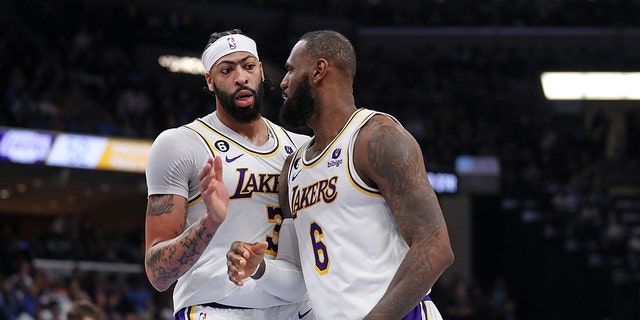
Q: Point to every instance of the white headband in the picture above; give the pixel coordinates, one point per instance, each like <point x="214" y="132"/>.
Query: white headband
<point x="226" y="45"/>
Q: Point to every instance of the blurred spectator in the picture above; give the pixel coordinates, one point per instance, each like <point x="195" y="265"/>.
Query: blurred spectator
<point x="9" y="303"/>
<point x="634" y="249"/>
<point x="464" y="302"/>
<point x="85" y="310"/>
<point x="140" y="296"/>
<point x="501" y="305"/>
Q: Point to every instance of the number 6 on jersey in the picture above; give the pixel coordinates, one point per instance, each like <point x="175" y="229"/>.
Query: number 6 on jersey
<point x="320" y="249"/>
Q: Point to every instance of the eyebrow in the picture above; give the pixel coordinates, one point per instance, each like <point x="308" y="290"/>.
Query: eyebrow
<point x="249" y="56"/>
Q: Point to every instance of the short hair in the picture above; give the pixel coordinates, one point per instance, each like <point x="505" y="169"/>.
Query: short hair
<point x="334" y="47"/>
<point x="217" y="35"/>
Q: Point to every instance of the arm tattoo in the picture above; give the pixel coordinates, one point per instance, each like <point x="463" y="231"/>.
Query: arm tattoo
<point x="159" y="205"/>
<point x="174" y="259"/>
<point x="396" y="160"/>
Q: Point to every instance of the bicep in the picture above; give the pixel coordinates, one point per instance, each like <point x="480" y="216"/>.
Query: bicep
<point x="173" y="163"/>
<point x="393" y="161"/>
<point x="165" y="218"/>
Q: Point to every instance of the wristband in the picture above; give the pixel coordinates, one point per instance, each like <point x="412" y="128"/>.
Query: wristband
<point x="262" y="266"/>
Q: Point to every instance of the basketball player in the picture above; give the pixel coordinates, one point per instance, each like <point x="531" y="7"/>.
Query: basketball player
<point x="192" y="218"/>
<point x="371" y="234"/>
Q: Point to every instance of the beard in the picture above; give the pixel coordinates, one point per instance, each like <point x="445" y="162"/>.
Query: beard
<point x="243" y="115"/>
<point x="297" y="109"/>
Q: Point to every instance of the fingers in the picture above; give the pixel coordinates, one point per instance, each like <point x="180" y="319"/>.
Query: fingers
<point x="238" y="249"/>
<point x="237" y="255"/>
<point x="204" y="172"/>
<point x="213" y="190"/>
<point x="259" y="247"/>
<point x="236" y="262"/>
<point x="217" y="168"/>
<point x="243" y="259"/>
<point x="204" y="175"/>
<point x="235" y="275"/>
<point x="210" y="178"/>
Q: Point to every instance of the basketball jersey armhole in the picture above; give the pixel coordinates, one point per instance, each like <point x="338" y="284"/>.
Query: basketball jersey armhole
<point x="356" y="180"/>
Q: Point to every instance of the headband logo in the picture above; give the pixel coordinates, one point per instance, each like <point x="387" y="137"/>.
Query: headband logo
<point x="225" y="46"/>
<point x="232" y="43"/>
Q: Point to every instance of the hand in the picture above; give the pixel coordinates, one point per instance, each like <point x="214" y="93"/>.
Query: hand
<point x="212" y="189"/>
<point x="243" y="259"/>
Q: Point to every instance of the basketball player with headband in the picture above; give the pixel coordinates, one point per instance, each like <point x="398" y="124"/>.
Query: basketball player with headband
<point x="215" y="180"/>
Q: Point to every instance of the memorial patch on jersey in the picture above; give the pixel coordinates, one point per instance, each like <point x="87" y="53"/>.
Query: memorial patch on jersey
<point x="222" y="145"/>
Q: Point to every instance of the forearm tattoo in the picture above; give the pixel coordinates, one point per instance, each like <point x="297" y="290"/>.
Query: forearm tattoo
<point x="174" y="257"/>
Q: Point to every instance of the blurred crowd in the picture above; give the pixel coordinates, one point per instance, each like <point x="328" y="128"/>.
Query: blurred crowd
<point x="74" y="67"/>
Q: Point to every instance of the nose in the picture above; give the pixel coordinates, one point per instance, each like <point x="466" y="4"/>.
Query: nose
<point x="284" y="84"/>
<point x="242" y="77"/>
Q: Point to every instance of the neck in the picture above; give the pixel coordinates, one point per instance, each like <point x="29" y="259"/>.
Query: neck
<point x="255" y="131"/>
<point x="328" y="124"/>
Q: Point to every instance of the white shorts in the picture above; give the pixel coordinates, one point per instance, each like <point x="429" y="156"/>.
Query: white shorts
<point x="296" y="311"/>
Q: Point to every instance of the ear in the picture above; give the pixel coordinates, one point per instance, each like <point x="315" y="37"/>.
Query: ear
<point x="320" y="69"/>
<point x="207" y="77"/>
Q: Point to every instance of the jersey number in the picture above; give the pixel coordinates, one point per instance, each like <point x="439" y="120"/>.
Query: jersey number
<point x="319" y="249"/>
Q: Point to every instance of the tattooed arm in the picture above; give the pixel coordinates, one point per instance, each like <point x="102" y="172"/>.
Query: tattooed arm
<point x="171" y="249"/>
<point x="388" y="157"/>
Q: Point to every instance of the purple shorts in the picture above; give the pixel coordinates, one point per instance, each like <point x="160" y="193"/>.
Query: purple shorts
<point x="419" y="312"/>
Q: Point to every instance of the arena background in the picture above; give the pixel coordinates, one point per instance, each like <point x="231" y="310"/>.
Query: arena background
<point x="544" y="217"/>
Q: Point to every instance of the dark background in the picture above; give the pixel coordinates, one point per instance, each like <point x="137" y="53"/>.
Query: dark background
<point x="560" y="229"/>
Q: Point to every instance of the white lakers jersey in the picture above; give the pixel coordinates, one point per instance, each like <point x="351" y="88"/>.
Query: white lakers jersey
<point x="350" y="246"/>
<point x="251" y="176"/>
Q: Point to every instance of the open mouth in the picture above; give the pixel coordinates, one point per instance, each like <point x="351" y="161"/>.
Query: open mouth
<point x="244" y="98"/>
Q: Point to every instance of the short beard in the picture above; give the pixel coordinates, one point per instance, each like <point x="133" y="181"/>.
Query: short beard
<point x="242" y="115"/>
<point x="297" y="109"/>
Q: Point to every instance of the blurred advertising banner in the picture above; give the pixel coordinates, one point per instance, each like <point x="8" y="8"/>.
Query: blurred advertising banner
<point x="59" y="149"/>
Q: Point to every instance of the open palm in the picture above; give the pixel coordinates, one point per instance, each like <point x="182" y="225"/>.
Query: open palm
<point x="212" y="189"/>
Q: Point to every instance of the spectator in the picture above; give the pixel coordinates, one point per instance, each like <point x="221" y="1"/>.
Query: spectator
<point x="85" y="310"/>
